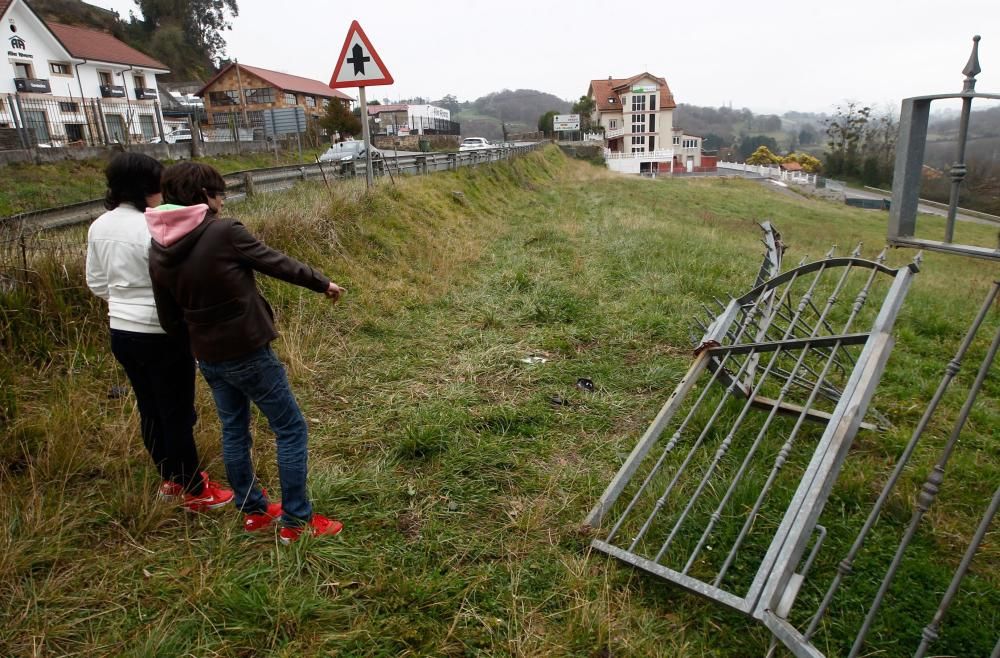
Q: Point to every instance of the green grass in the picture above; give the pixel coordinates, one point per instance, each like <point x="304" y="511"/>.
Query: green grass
<point x="461" y="485"/>
<point x="27" y="187"/>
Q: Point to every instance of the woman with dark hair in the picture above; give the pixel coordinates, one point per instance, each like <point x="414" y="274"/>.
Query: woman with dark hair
<point x="160" y="367"/>
<point x="203" y="272"/>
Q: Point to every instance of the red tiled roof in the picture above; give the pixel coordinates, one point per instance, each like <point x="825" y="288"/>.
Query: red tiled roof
<point x="603" y="90"/>
<point x="791" y="166"/>
<point x="101" y="46"/>
<point x="3" y="6"/>
<point x="283" y="81"/>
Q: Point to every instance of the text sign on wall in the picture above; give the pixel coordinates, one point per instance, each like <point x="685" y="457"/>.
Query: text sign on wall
<point x="643" y="89"/>
<point x="566" y="122"/>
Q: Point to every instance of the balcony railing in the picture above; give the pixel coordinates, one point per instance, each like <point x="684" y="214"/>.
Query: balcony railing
<point x="612" y="133"/>
<point x="661" y="155"/>
<point x="145" y="93"/>
<point x="32" y="85"/>
<point x="112" y="91"/>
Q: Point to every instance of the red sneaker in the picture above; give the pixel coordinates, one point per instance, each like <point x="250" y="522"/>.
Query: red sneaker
<point x="170" y="490"/>
<point x="320" y="526"/>
<point x="212" y="496"/>
<point x="262" y="520"/>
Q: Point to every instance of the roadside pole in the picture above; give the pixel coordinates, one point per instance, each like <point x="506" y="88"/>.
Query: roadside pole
<point x="360" y="66"/>
<point x="366" y="135"/>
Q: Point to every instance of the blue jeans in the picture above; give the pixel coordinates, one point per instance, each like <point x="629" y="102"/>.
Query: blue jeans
<point x="260" y="377"/>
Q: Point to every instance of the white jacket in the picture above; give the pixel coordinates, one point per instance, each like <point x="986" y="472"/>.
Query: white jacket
<point x="118" y="269"/>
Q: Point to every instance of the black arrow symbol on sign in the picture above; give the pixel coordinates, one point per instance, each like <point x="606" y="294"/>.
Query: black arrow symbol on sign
<point x="359" y="59"/>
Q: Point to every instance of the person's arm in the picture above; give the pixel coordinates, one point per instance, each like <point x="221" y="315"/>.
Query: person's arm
<point x="168" y="311"/>
<point x="274" y="263"/>
<point x="97" y="273"/>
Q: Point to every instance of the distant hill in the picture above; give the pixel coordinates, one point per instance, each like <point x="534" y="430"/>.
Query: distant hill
<point x="519" y="109"/>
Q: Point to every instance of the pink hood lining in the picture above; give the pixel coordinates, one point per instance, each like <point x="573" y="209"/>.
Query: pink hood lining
<point x="168" y="224"/>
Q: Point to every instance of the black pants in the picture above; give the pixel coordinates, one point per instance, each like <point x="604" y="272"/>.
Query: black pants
<point x="161" y="370"/>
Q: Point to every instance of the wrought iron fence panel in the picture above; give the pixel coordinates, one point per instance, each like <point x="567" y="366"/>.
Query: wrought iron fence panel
<point x="722" y="493"/>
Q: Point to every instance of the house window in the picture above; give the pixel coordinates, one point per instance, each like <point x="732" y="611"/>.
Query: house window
<point x="147" y="126"/>
<point x="22" y="70"/>
<point x="638" y="140"/>
<point x="612" y="100"/>
<point x="638" y="123"/>
<point x="139" y="80"/>
<point x="638" y="103"/>
<point x="259" y="96"/>
<point x="652" y="143"/>
<point x="104" y="77"/>
<point x="677" y="141"/>
<point x="116" y="127"/>
<point x="652" y="123"/>
<point x="60" y="68"/>
<point x="66" y="106"/>
<point x="613" y="124"/>
<point x="74" y="132"/>
<point x="290" y="99"/>
<point x="230" y="97"/>
<point x="37" y="124"/>
<point x="310" y="101"/>
<point x="652" y="102"/>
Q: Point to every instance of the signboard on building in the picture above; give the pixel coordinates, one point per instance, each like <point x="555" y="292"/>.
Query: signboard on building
<point x="284" y="121"/>
<point x="643" y="89"/>
<point x="566" y="122"/>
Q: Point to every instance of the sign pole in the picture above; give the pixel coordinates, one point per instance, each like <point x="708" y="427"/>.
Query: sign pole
<point x="365" y="135"/>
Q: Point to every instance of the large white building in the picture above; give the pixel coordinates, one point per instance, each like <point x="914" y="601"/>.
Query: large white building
<point x="71" y="85"/>
<point x="637" y="115"/>
<point x="405" y="119"/>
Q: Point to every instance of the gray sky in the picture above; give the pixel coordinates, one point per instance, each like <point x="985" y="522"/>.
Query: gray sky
<point x="768" y="56"/>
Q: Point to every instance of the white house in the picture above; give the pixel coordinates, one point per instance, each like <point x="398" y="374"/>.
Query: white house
<point x="68" y="84"/>
<point x="637" y="115"/>
<point x="404" y="119"/>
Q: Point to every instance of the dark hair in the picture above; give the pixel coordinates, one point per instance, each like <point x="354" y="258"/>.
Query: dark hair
<point x="131" y="178"/>
<point x="188" y="183"/>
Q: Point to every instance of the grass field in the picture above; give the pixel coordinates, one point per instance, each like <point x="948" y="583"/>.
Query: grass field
<point x="461" y="486"/>
<point x="26" y="187"/>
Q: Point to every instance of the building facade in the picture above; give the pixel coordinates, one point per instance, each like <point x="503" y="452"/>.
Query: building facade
<point x="637" y="115"/>
<point x="404" y="119"/>
<point x="62" y="85"/>
<point x="239" y="90"/>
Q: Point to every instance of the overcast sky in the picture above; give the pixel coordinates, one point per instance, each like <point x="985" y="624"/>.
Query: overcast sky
<point x="768" y="56"/>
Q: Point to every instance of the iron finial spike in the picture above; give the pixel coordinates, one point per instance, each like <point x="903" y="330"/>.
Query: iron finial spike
<point x="972" y="68"/>
<point x="919" y="258"/>
<point x="804" y="260"/>
<point x="882" y="255"/>
<point x="857" y="250"/>
<point x="829" y="254"/>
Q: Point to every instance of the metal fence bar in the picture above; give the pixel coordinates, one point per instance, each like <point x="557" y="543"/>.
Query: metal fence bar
<point x="846" y="566"/>
<point x="928" y="494"/>
<point x="930" y="632"/>
<point x="738" y="423"/>
<point x="786" y="448"/>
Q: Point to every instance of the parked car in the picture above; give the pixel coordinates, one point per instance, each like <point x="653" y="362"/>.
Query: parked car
<point x="348" y="151"/>
<point x="474" y="144"/>
<point x="345" y="154"/>
<point x="174" y="136"/>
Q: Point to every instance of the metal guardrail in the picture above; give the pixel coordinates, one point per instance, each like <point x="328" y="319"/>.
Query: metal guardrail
<point x="243" y="184"/>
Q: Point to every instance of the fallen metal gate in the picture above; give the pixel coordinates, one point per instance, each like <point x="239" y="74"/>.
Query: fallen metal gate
<point x="731" y="502"/>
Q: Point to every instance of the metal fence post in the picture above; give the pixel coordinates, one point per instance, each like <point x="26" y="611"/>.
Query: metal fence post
<point x="248" y="185"/>
<point x="26" y="135"/>
<point x="159" y="121"/>
<point x="17" y="122"/>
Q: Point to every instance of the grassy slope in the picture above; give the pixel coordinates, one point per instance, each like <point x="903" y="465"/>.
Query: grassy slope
<point x="25" y="187"/>
<point x="461" y="486"/>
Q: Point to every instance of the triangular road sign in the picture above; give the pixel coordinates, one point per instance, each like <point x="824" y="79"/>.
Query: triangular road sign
<point x="359" y="65"/>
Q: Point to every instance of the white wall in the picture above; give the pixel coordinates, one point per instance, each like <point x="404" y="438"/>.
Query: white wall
<point x="40" y="49"/>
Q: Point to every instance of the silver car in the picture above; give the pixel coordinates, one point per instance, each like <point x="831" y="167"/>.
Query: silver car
<point x="347" y="152"/>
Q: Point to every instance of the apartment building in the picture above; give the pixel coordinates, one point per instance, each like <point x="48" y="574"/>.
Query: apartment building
<point x="67" y="85"/>
<point x="637" y="115"/>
